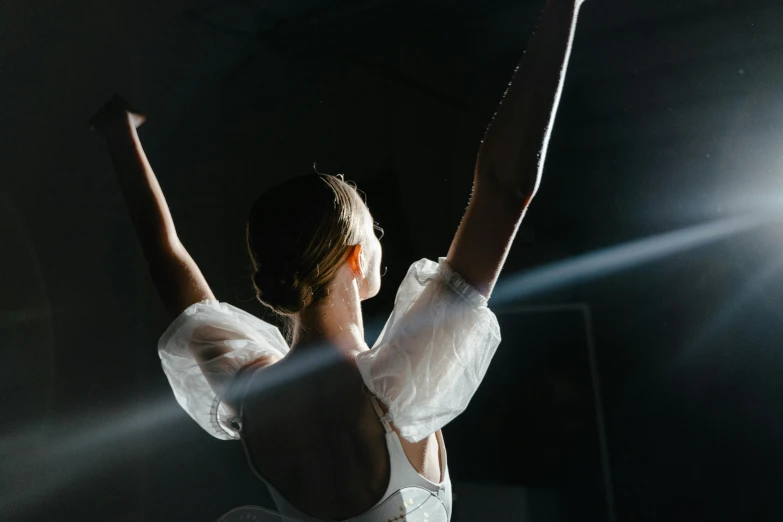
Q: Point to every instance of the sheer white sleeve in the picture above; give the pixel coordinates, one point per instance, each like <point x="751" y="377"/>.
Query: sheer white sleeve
<point x="213" y="327"/>
<point x="433" y="352"/>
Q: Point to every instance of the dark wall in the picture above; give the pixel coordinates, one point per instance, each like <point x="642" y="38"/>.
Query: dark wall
<point x="670" y="118"/>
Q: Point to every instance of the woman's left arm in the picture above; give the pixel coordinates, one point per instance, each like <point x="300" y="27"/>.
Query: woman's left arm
<point x="177" y="277"/>
<point x="512" y="155"/>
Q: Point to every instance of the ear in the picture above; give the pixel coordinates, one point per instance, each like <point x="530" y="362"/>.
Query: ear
<point x="356" y="260"/>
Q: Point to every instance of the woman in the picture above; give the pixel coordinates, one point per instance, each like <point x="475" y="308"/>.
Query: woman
<point x="337" y="430"/>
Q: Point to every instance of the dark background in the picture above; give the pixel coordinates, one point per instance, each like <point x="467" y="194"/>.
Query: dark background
<point x="671" y="117"/>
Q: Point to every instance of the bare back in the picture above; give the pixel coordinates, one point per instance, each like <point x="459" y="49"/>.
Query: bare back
<point x="319" y="442"/>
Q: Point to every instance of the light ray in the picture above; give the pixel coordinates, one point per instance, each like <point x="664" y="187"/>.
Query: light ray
<point x="70" y="452"/>
<point x="720" y="321"/>
<point x="39" y="461"/>
<point x="614" y="259"/>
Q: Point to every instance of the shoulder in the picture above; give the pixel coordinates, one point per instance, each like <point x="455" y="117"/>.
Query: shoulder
<point x="241" y="384"/>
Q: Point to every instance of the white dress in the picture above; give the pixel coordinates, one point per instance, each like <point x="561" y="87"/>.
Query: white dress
<point x="425" y="366"/>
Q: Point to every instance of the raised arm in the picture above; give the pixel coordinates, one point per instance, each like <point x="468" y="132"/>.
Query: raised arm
<point x="512" y="155"/>
<point x="177" y="277"/>
<point x="436" y="347"/>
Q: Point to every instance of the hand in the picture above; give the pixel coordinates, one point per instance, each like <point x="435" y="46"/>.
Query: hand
<point x="116" y="114"/>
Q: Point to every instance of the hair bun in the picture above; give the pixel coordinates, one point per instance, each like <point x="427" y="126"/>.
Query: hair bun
<point x="286" y="295"/>
<point x="298" y="234"/>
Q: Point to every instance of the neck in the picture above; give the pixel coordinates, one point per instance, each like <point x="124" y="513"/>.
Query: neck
<point x="336" y="320"/>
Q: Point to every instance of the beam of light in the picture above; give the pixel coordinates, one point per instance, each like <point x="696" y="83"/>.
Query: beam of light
<point x="307" y="362"/>
<point x="721" y="320"/>
<point x="37" y="462"/>
<point x="70" y="453"/>
<point x="42" y="460"/>
<point x="622" y="257"/>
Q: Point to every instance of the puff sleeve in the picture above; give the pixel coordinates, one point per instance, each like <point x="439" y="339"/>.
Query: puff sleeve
<point x="433" y="352"/>
<point x="213" y="327"/>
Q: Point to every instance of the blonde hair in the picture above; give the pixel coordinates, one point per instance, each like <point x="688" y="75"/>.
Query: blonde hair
<point x="298" y="235"/>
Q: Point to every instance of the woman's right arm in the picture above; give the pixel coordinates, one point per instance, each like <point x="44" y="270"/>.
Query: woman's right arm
<point x="511" y="157"/>
<point x="436" y="347"/>
<point x="178" y="279"/>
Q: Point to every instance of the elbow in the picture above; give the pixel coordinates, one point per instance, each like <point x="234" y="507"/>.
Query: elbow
<point x="161" y="246"/>
<point x="505" y="191"/>
<point x="513" y="151"/>
<point x="516" y="180"/>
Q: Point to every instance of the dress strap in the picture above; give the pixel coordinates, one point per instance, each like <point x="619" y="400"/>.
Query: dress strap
<point x="383" y="417"/>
